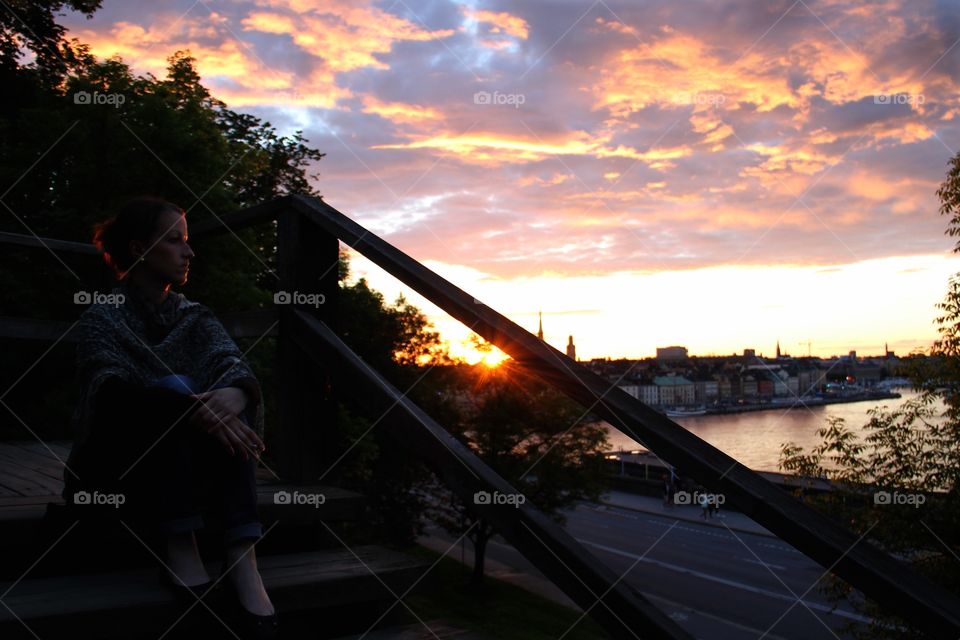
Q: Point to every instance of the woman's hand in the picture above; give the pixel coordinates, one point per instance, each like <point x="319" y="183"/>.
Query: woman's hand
<point x="218" y="404"/>
<point x="219" y="416"/>
<point x="237" y="436"/>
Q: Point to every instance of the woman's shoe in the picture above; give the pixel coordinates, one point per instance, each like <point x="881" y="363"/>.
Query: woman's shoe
<point x="185" y="594"/>
<point x="249" y="624"/>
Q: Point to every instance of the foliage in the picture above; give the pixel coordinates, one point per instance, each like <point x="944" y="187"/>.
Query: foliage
<point x="911" y="454"/>
<point x="68" y="162"/>
<point x="397" y="342"/>
<point x="532" y="436"/>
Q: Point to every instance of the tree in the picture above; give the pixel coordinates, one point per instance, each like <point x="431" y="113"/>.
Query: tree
<point x="398" y="342"/>
<point x="31" y="25"/>
<point x="533" y="436"/>
<point x="898" y="478"/>
<point x="68" y="161"/>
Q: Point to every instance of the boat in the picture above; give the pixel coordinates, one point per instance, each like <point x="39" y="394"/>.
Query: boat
<point x="680" y="412"/>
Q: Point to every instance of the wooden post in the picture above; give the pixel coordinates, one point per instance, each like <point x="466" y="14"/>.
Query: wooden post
<point x="308" y="268"/>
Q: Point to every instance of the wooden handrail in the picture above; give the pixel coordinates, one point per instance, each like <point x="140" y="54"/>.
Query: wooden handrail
<point x="852" y="557"/>
<point x="620" y="608"/>
<point x="57" y="246"/>
<point x="239" y="324"/>
<point x="887" y="581"/>
<point x="232" y="221"/>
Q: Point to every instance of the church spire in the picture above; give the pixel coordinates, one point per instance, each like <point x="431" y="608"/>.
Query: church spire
<point x="778" y="348"/>
<point x="540" y="330"/>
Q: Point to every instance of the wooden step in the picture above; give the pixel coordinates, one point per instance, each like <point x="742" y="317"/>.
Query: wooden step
<point x="131" y="603"/>
<point x="280" y="501"/>
<point x="29" y="525"/>
<point x="428" y="630"/>
<point x="31" y="476"/>
<point x="33" y="515"/>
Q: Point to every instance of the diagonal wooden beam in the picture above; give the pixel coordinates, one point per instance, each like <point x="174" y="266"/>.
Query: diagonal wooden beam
<point x="620" y="608"/>
<point x="852" y="557"/>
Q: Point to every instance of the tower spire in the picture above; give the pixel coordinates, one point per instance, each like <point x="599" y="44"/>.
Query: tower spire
<point x="540" y="330"/>
<point x="778" y="348"/>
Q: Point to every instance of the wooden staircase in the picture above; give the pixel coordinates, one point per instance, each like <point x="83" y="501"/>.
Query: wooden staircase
<point x="309" y="566"/>
<point x="59" y="572"/>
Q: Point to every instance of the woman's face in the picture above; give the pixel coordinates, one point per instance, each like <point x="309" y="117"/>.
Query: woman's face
<point x="167" y="254"/>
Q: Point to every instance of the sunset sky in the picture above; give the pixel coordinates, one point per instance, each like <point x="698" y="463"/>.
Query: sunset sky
<point x="718" y="175"/>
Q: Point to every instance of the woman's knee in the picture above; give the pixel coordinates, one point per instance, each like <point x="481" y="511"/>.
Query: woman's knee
<point x="180" y="383"/>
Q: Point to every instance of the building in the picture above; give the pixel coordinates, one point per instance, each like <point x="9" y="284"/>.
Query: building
<point x="571" y="348"/>
<point x="674" y="390"/>
<point x="671" y="353"/>
<point x="649" y="393"/>
<point x="706" y="390"/>
<point x="748" y="386"/>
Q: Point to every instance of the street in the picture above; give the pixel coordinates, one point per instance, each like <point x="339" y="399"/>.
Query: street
<point x="715" y="582"/>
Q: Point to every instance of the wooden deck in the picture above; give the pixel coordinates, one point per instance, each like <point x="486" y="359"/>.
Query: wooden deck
<point x="33" y="513"/>
<point x="344" y="588"/>
<point x="31" y="477"/>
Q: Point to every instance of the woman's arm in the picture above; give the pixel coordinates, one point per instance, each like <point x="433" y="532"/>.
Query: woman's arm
<point x="118" y="403"/>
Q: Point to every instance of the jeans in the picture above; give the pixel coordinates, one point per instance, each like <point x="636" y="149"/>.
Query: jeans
<point x="198" y="472"/>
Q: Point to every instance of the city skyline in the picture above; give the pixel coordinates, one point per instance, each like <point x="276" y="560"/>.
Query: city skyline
<point x="746" y="171"/>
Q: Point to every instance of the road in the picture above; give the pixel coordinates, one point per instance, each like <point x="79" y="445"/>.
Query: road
<point x="716" y="583"/>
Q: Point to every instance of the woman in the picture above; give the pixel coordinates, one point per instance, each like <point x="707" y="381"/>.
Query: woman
<point x="166" y="409"/>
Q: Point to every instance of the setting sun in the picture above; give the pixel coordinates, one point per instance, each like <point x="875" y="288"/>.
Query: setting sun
<point x="493" y="359"/>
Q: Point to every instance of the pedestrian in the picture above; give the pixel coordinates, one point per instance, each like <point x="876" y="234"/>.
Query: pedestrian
<point x="667" y="491"/>
<point x="704" y="503"/>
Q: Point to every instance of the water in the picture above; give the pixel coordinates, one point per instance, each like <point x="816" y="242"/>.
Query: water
<point x="754" y="437"/>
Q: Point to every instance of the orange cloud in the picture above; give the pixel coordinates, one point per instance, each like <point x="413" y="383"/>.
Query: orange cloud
<point x="492" y="147"/>
<point x="346" y="37"/>
<point x="502" y="22"/>
<point x="555" y="179"/>
<point x="400" y="112"/>
<point x="341" y="37"/>
<point x="147" y="50"/>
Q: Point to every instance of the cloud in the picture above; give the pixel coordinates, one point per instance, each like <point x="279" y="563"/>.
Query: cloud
<point x="499" y="22"/>
<point x="632" y="136"/>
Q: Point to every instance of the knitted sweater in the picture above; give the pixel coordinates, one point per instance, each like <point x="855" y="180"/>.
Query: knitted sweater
<point x="139" y="343"/>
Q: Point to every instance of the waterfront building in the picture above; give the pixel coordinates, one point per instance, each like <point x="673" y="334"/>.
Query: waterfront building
<point x="706" y="389"/>
<point x="649" y="393"/>
<point x="674" y="390"/>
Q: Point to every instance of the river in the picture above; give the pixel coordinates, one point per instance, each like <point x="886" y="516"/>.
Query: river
<point x="754" y="437"/>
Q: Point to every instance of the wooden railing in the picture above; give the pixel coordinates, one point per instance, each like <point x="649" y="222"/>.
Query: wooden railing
<point x="308" y="234"/>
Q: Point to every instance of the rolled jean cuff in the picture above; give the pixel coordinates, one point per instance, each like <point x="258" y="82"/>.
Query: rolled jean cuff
<point x="239" y="532"/>
<point x="181" y="525"/>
